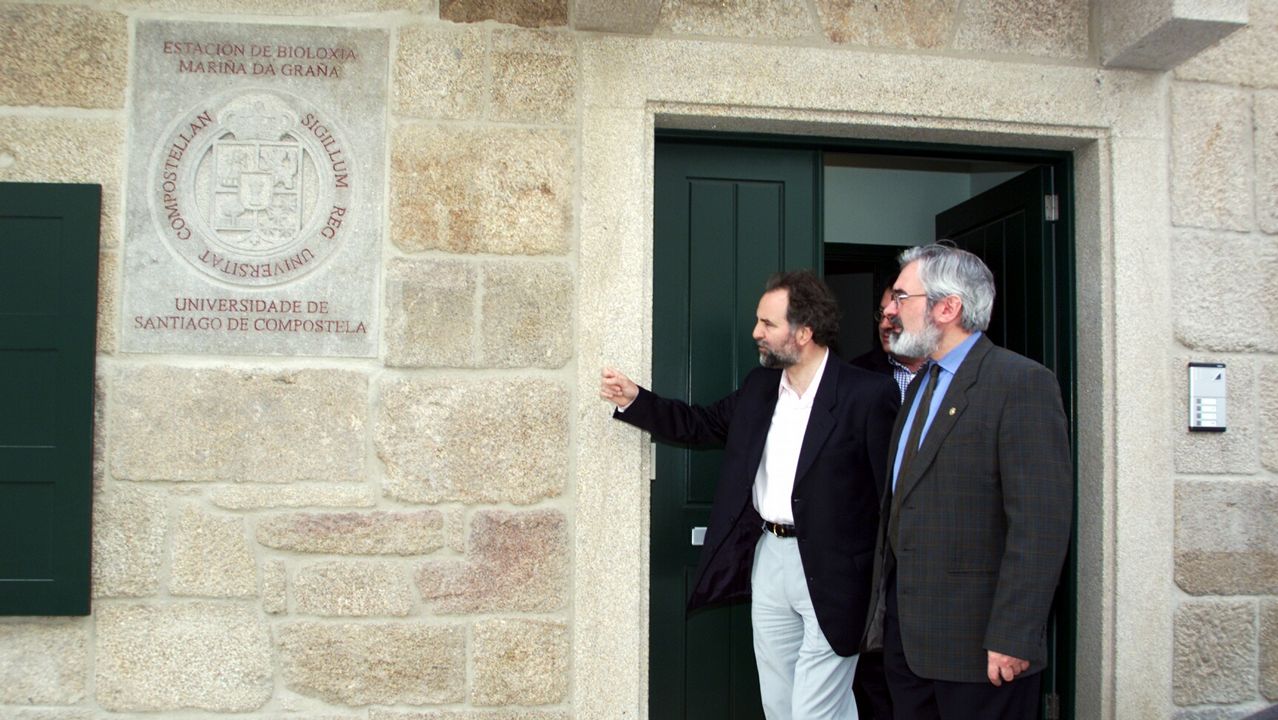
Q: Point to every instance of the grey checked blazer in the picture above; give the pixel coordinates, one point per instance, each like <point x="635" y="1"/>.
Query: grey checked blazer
<point x="984" y="520"/>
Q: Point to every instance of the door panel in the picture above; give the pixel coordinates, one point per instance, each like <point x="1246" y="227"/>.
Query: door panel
<point x="725" y="218"/>
<point x="1033" y="315"/>
<point x="1005" y="226"/>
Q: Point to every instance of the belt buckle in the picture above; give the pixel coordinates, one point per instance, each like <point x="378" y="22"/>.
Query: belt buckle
<point x="781" y="531"/>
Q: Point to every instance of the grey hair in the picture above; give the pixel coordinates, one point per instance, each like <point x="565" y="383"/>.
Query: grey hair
<point x="945" y="270"/>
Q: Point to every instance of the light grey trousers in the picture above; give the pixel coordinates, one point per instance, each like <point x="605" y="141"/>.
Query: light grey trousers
<point x="800" y="675"/>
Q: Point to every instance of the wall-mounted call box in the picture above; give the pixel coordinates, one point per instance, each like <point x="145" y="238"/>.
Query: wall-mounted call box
<point x="1207" y="411"/>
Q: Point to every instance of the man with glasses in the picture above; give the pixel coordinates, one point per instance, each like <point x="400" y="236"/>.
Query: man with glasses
<point x="870" y="686"/>
<point x="901" y="368"/>
<point x="977" y="522"/>
<point x="795" y="510"/>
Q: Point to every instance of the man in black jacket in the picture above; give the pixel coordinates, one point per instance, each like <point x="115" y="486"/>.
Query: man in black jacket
<point x="796" y="506"/>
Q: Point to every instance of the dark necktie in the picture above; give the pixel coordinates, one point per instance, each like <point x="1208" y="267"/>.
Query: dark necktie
<point x="912" y="445"/>
<point x="920" y="419"/>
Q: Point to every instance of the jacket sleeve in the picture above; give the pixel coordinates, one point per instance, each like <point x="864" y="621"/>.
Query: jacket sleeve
<point x="678" y="422"/>
<point x="1036" y="476"/>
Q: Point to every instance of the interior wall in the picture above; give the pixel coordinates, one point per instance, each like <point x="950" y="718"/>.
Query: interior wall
<point x="874" y="206"/>
<point x="888" y="206"/>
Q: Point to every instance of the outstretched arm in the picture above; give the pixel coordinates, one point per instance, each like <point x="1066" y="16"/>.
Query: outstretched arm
<point x="667" y="419"/>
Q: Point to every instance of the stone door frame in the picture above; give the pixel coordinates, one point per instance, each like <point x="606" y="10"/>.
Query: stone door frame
<point x="1114" y="122"/>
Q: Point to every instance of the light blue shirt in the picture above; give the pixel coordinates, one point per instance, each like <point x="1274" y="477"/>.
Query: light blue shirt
<point x="949" y="365"/>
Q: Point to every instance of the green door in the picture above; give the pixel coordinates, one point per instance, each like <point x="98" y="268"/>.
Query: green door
<point x="725" y="218"/>
<point x="48" y="314"/>
<point x="1016" y="229"/>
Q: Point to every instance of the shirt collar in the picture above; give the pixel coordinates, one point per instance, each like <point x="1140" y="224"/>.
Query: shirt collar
<point x="812" y="386"/>
<point x="896" y="363"/>
<point x="954" y="358"/>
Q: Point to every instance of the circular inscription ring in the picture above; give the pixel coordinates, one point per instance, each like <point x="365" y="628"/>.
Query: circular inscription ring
<point x="252" y="187"/>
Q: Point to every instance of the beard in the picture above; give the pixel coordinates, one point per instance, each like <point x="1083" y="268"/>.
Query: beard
<point x="780" y="358"/>
<point x="919" y="344"/>
<point x="887" y="334"/>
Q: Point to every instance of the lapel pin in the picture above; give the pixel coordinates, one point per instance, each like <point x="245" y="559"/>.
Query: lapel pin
<point x="953" y="410"/>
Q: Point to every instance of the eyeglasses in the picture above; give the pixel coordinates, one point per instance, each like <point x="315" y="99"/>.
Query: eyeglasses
<point x="899" y="298"/>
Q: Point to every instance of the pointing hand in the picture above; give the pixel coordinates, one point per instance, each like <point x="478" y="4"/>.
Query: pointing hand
<point x="617" y="389"/>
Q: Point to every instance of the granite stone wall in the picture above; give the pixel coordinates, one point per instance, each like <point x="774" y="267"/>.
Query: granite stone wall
<point x="1224" y="155"/>
<point x="400" y="538"/>
<point x="329" y="538"/>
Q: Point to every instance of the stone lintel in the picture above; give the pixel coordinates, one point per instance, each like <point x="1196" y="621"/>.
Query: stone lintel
<point x="1161" y="34"/>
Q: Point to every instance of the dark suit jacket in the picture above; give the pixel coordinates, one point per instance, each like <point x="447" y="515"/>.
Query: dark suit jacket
<point x="984" y="520"/>
<point x="836" y="488"/>
<point x="875" y="361"/>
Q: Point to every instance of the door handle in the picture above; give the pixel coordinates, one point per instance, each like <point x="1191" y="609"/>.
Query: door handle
<point x="698" y="536"/>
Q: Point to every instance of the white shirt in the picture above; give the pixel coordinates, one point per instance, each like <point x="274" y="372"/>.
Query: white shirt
<point x="774" y="480"/>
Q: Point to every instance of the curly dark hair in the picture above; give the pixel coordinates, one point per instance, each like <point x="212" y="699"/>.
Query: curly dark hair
<point x="812" y="303"/>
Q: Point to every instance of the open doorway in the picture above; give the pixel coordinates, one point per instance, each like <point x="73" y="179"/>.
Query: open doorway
<point x="730" y="211"/>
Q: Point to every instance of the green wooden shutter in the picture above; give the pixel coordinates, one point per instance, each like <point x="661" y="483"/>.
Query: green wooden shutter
<point x="48" y="315"/>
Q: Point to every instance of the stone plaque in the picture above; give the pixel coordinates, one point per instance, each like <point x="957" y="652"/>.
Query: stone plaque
<point x="254" y="209"/>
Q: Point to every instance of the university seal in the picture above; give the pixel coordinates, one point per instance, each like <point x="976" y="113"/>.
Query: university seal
<point x="253" y="187"/>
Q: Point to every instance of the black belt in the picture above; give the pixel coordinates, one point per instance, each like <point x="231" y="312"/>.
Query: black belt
<point x="779" y="530"/>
